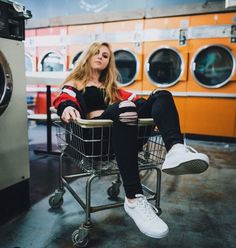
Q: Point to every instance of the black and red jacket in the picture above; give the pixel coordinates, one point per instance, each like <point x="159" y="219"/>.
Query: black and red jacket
<point x="70" y="96"/>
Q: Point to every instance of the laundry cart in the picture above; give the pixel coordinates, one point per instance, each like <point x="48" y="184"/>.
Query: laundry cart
<point x="88" y="144"/>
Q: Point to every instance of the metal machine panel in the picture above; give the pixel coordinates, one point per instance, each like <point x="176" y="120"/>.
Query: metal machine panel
<point x="14" y="160"/>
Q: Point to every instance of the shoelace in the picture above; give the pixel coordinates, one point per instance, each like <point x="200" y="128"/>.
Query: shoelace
<point x="147" y="208"/>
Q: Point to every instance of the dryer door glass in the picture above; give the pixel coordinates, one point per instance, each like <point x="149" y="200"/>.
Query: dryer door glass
<point x="126" y="63"/>
<point x="5" y="84"/>
<point x="164" y="67"/>
<point x="75" y="60"/>
<point x="213" y="66"/>
<point x="52" y="62"/>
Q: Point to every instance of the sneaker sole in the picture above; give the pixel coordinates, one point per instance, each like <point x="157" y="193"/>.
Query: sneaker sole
<point x="195" y="166"/>
<point x="163" y="235"/>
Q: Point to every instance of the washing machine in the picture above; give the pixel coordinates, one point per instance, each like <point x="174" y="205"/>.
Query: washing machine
<point x="166" y="58"/>
<point x="127" y="45"/>
<point x="211" y="87"/>
<point x="14" y="159"/>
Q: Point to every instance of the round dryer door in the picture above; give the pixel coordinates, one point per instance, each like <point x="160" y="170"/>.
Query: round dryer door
<point x="127" y="65"/>
<point x="213" y="66"/>
<point x="164" y="67"/>
<point x="5" y="83"/>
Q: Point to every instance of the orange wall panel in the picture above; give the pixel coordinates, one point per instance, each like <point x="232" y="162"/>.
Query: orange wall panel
<point x="210" y="116"/>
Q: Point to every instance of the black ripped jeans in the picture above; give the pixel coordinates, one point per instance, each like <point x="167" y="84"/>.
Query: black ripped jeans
<point x="161" y="107"/>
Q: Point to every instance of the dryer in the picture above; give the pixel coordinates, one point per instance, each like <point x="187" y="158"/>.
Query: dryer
<point x="125" y="38"/>
<point x="79" y="38"/>
<point x="14" y="159"/>
<point x="127" y="44"/>
<point x="51" y="52"/>
<point x="166" y="58"/>
<point x="211" y="88"/>
<point x="51" y="48"/>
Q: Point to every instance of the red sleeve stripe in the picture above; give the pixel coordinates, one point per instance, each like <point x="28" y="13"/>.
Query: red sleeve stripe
<point x="126" y="95"/>
<point x="65" y="97"/>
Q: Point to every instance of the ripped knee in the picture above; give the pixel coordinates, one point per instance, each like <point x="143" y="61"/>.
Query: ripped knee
<point x="128" y="113"/>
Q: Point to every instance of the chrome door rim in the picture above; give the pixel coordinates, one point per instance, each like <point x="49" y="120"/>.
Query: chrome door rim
<point x="7" y="83"/>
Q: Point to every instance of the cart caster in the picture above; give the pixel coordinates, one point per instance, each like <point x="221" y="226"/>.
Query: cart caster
<point x="56" y="200"/>
<point x="113" y="191"/>
<point x="80" y="237"/>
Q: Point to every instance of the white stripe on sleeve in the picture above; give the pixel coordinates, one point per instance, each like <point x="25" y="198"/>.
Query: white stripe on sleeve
<point x="132" y="97"/>
<point x="69" y="92"/>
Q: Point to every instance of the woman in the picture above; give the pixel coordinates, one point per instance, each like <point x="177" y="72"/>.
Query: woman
<point x="90" y="91"/>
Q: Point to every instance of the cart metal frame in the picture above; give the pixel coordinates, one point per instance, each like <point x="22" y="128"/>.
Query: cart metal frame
<point x="88" y="144"/>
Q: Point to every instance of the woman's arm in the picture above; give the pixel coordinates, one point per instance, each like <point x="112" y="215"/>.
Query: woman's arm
<point x="126" y="95"/>
<point x="67" y="103"/>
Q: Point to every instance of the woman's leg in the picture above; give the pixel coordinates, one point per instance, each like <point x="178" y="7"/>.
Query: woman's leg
<point x="124" y="138"/>
<point x="124" y="141"/>
<point x="161" y="107"/>
<point x="180" y="159"/>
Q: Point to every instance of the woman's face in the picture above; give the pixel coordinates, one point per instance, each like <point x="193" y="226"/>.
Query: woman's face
<point x="99" y="61"/>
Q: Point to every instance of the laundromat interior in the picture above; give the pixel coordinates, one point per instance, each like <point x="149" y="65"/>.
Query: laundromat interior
<point x="53" y="194"/>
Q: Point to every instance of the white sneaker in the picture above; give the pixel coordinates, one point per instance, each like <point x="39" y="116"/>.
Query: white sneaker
<point x="183" y="159"/>
<point x="145" y="216"/>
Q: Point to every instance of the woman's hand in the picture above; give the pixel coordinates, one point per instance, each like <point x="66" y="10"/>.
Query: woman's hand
<point x="70" y="114"/>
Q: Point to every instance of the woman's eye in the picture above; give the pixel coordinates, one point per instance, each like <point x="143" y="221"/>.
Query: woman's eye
<point x="105" y="56"/>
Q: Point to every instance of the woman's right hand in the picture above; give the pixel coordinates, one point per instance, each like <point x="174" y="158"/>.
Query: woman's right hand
<point x="70" y="114"/>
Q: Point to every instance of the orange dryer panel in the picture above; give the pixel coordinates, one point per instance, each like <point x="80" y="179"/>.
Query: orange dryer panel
<point x="211" y="87"/>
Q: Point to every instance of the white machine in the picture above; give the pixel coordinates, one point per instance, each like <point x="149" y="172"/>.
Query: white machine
<point x="14" y="160"/>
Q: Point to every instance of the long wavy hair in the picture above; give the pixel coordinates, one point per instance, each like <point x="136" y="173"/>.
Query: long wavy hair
<point x="109" y="76"/>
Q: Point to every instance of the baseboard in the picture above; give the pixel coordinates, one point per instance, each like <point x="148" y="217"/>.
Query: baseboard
<point x="211" y="138"/>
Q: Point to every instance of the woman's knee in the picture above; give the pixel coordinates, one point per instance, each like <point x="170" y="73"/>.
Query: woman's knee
<point x="162" y="93"/>
<point x="128" y="113"/>
<point x="163" y="102"/>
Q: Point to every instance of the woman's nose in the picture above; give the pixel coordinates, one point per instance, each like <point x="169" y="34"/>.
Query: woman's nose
<point x="100" y="56"/>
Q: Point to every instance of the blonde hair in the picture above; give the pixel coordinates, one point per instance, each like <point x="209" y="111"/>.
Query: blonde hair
<point x="109" y="76"/>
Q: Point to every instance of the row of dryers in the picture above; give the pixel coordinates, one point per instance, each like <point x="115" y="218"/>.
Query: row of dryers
<point x="192" y="56"/>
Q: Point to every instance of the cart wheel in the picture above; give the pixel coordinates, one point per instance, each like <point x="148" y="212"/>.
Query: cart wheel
<point x="113" y="191"/>
<point x="80" y="237"/>
<point x="55" y="202"/>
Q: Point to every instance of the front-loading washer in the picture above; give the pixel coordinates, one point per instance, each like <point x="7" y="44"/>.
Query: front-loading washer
<point x="14" y="159"/>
